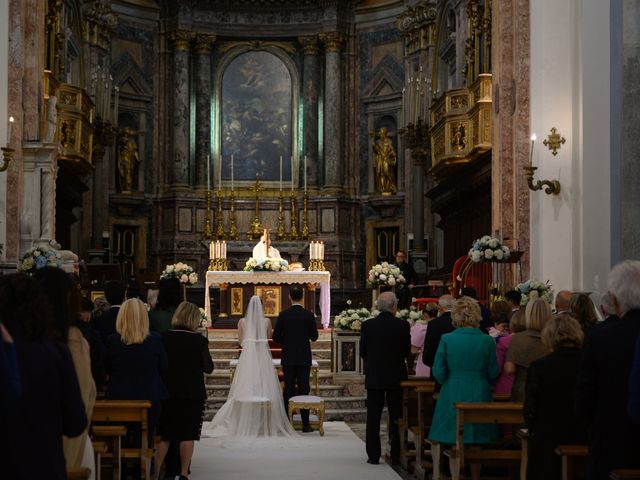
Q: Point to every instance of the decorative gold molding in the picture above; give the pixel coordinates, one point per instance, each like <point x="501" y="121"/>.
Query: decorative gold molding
<point x="418" y="26"/>
<point x="54" y="38"/>
<point x="75" y="139"/>
<point x="309" y="44"/>
<point x="257" y="45"/>
<point x="99" y="22"/>
<point x="181" y="39"/>
<point x="332" y="41"/>
<point x="204" y="42"/>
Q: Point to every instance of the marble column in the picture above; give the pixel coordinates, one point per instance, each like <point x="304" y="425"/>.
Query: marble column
<point x="203" y="105"/>
<point x="310" y="105"/>
<point x="179" y="169"/>
<point x="332" y="111"/>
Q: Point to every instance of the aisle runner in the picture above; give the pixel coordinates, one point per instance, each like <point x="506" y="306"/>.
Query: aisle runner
<point x="339" y="454"/>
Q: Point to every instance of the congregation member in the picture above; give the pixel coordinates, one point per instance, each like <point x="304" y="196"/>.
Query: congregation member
<point x="504" y="383"/>
<point x="63" y="296"/>
<point x="603" y="381"/>
<point x="583" y="310"/>
<point x="563" y="302"/>
<point x="607" y="309"/>
<point x="96" y="347"/>
<point x="169" y="297"/>
<point x="527" y="346"/>
<point x="385" y="342"/>
<point x="100" y="306"/>
<point x="189" y="358"/>
<point x="486" y="323"/>
<point x="418" y="332"/>
<point x="136" y="361"/>
<point x="437" y="327"/>
<point x="410" y="277"/>
<point x="465" y="364"/>
<point x="9" y="377"/>
<point x="513" y="298"/>
<point x="105" y="324"/>
<point x="549" y="406"/>
<point x="50" y="403"/>
<point x="634" y="386"/>
<point x="500" y="316"/>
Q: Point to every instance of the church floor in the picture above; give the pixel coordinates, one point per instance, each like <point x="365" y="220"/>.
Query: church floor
<point x="339" y="454"/>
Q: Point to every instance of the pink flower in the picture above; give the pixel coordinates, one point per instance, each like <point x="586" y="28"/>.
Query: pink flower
<point x="184" y="278"/>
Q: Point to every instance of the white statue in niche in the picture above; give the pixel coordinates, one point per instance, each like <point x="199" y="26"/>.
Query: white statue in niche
<point x="263" y="248"/>
<point x="52" y="119"/>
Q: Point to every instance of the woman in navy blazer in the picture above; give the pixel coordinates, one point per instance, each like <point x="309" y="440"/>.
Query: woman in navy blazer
<point x="136" y="360"/>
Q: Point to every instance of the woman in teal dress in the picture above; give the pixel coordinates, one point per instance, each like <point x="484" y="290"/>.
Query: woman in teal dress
<point x="465" y="363"/>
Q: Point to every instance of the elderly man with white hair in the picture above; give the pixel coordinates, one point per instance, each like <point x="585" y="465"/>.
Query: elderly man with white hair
<point x="385" y="342"/>
<point x="603" y="382"/>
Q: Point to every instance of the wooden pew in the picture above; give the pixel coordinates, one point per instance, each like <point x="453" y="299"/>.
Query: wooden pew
<point x="483" y="413"/>
<point x="409" y="418"/>
<point x="426" y="404"/>
<point x="574" y="457"/>
<point x="625" y="474"/>
<point x="99" y="450"/>
<point x="111" y="435"/>
<point x="121" y="411"/>
<point x="78" y="473"/>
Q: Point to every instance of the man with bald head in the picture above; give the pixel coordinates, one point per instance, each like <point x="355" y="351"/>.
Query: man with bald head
<point x="385" y="343"/>
<point x="437" y="327"/>
<point x="563" y="302"/>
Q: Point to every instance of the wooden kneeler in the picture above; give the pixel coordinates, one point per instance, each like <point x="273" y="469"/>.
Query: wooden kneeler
<point x="409" y="419"/>
<point x="426" y="405"/>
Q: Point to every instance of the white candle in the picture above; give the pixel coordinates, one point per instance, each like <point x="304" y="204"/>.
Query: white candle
<point x="311" y="251"/>
<point x="292" y="173"/>
<point x="280" y="172"/>
<point x="533" y="141"/>
<point x="211" y="252"/>
<point x="305" y="174"/>
<point x="232" y="173"/>
<point x="224" y="249"/>
<point x="208" y="173"/>
<point x="9" y="127"/>
<point x="321" y="250"/>
<point x="217" y="248"/>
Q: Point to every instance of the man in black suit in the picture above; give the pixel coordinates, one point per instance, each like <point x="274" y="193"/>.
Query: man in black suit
<point x="385" y="342"/>
<point x="294" y="329"/>
<point x="603" y="381"/>
<point x="437" y="327"/>
<point x="105" y="324"/>
<point x="410" y="277"/>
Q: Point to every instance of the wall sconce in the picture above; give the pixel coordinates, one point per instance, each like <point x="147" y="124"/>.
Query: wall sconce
<point x="7" y="152"/>
<point x="552" y="187"/>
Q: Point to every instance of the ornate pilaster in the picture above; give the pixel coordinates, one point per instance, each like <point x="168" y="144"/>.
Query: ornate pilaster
<point x="179" y="170"/>
<point x="332" y="111"/>
<point x="203" y="105"/>
<point x="310" y="102"/>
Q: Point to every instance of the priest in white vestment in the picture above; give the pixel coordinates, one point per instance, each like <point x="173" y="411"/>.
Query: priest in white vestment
<point x="263" y="248"/>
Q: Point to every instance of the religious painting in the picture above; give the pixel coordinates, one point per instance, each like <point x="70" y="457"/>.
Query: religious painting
<point x="348" y="356"/>
<point x="236" y="301"/>
<point x="257" y="118"/>
<point x="271" y="301"/>
<point x="95" y="294"/>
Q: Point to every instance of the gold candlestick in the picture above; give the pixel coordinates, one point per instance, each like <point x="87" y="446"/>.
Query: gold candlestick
<point x="304" y="234"/>
<point x="219" y="227"/>
<point x="208" y="234"/>
<point x="233" y="230"/>
<point x="281" y="233"/>
<point x="255" y="231"/>
<point x="293" y="233"/>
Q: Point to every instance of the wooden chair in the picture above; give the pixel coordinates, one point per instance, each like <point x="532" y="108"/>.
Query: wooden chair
<point x="409" y="418"/>
<point x="625" y="474"/>
<point x="121" y="411"/>
<point x="574" y="458"/>
<point x="99" y="450"/>
<point x="426" y="405"/>
<point x="78" y="473"/>
<point x="483" y="413"/>
<point x="111" y="435"/>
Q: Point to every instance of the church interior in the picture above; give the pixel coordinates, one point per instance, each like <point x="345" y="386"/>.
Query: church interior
<point x="248" y="147"/>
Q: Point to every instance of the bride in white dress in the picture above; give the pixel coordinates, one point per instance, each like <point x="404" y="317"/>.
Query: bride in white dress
<point x="254" y="407"/>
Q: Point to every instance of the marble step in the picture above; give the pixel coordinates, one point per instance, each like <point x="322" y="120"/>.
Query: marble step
<point x="217" y="334"/>
<point x="330" y="403"/>
<point x="221" y="376"/>
<point x="223" y="363"/>
<point x="233" y="343"/>
<point x="326" y="391"/>
<point x="221" y="353"/>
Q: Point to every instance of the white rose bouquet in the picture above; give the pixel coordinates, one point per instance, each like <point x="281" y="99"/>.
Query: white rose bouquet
<point x="385" y="274"/>
<point x="182" y="272"/>
<point x="352" y="319"/>
<point x="205" y="321"/>
<point x="39" y="257"/>
<point x="411" y="315"/>
<point x="488" y="249"/>
<point x="268" y="264"/>
<point x="532" y="289"/>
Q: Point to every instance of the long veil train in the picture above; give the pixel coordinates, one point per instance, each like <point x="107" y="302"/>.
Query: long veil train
<point x="254" y="407"/>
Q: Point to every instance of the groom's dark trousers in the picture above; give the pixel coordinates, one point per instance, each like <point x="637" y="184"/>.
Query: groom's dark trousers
<point x="296" y="375"/>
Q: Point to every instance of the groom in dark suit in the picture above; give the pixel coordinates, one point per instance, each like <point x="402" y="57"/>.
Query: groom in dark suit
<point x="385" y="342"/>
<point x="294" y="329"/>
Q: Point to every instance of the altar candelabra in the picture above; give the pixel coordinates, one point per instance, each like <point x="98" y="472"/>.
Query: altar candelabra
<point x="219" y="227"/>
<point x="218" y="256"/>
<point x="304" y="233"/>
<point x="255" y="231"/>
<point x="281" y="232"/>
<point x="233" y="230"/>
<point x="293" y="233"/>
<point x="208" y="233"/>
<point x="316" y="257"/>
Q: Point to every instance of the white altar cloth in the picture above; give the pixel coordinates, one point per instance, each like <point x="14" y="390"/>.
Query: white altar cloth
<point x="275" y="278"/>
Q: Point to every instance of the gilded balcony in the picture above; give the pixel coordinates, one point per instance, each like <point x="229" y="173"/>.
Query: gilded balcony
<point x="461" y="126"/>
<point x="75" y="131"/>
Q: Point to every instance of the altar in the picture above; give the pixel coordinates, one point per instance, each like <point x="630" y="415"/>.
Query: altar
<point x="236" y="288"/>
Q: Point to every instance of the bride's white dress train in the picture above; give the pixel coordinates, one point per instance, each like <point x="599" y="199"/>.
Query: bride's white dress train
<point x="254" y="407"/>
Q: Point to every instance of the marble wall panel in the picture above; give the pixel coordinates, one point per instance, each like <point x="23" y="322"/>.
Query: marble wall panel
<point x="328" y="220"/>
<point x="185" y="216"/>
<point x="168" y="221"/>
<point x="201" y="214"/>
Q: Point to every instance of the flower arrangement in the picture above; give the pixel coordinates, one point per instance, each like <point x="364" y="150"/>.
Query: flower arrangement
<point x="487" y="249"/>
<point x="352" y="319"/>
<point x="532" y="289"/>
<point x="205" y="322"/>
<point x="182" y="272"/>
<point x="39" y="257"/>
<point x="411" y="315"/>
<point x="385" y="274"/>
<point x="268" y="264"/>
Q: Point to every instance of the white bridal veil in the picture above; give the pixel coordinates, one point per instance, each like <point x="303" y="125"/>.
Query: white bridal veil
<point x="254" y="407"/>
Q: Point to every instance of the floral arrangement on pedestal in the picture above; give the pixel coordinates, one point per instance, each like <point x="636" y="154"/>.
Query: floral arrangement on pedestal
<point x="532" y="289"/>
<point x="183" y="272"/>
<point x="411" y="315"/>
<point x="352" y="319"/>
<point x="39" y="257"/>
<point x="385" y="274"/>
<point x="205" y="322"/>
<point x="268" y="264"/>
<point x="488" y="249"/>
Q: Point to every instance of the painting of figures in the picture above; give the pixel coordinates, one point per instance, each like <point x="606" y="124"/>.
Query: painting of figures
<point x="257" y="117"/>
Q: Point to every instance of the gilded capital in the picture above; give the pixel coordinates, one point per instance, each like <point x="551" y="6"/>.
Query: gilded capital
<point x="204" y="42"/>
<point x="181" y="39"/>
<point x="332" y="41"/>
<point x="310" y="44"/>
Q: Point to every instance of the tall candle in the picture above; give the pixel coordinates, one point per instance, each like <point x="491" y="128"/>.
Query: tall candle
<point x="208" y="172"/>
<point x="533" y="141"/>
<point x="9" y="127"/>
<point x="224" y="249"/>
<point x="311" y="251"/>
<point x="305" y="174"/>
<point x="220" y="174"/>
<point x="211" y="252"/>
<point x="292" y="173"/>
<point x="280" y="172"/>
<point x="232" y="173"/>
<point x="321" y="250"/>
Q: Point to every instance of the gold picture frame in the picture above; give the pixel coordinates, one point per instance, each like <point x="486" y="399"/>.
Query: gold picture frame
<point x="237" y="303"/>
<point x="271" y="299"/>
<point x="95" y="294"/>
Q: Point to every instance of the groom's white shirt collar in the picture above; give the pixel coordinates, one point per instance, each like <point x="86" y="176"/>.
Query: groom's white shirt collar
<point x="295" y="303"/>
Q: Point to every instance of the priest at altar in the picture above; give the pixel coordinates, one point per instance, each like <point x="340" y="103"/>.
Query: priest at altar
<point x="263" y="248"/>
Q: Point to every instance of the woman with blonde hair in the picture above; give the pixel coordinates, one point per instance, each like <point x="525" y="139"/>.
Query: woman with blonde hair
<point x="135" y="360"/>
<point x="189" y="359"/>
<point x="549" y="406"/>
<point x="527" y="346"/>
<point x="465" y="364"/>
